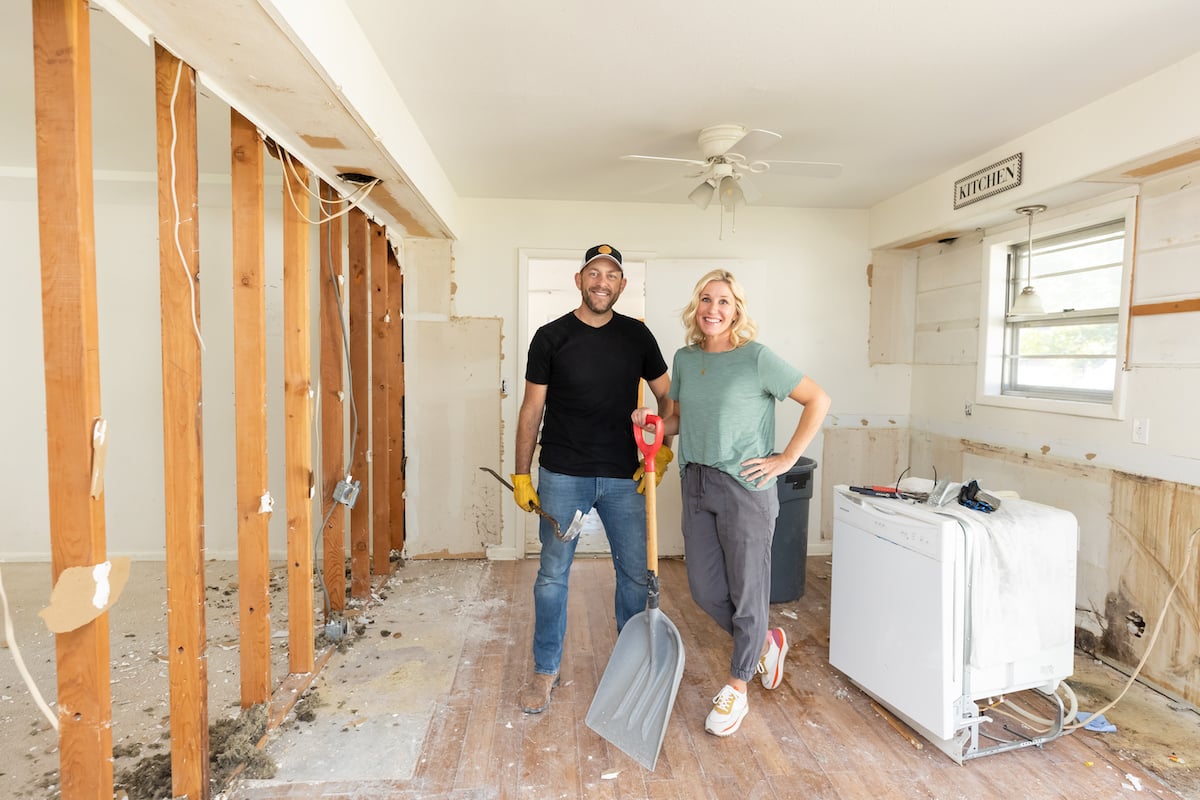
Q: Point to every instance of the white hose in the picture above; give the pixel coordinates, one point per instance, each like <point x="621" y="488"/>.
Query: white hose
<point x="11" y="639"/>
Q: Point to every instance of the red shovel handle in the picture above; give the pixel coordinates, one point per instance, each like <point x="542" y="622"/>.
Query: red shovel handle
<point x="649" y="449"/>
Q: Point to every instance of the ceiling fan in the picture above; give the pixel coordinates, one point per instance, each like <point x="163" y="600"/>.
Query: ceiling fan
<point x="730" y="154"/>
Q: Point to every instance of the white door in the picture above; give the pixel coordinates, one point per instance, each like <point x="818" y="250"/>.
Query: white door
<point x="551" y="292"/>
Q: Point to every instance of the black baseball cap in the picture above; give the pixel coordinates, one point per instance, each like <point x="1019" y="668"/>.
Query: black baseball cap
<point x="602" y="251"/>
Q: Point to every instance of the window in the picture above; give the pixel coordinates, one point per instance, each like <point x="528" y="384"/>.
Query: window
<point x="1070" y="351"/>
<point x="1069" y="358"/>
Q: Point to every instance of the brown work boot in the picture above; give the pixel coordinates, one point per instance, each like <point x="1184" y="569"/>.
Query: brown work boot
<point x="535" y="695"/>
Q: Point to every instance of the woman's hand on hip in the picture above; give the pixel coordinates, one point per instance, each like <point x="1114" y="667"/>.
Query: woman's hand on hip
<point x="760" y="470"/>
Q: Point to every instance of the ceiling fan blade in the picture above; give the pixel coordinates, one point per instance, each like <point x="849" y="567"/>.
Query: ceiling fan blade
<point x="807" y="169"/>
<point x="665" y="159"/>
<point x="753" y="143"/>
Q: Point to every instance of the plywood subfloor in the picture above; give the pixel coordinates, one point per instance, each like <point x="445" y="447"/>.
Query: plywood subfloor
<point x="817" y="736"/>
<point x="29" y="758"/>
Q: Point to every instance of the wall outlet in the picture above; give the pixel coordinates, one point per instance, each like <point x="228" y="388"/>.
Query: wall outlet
<point x="1141" y="430"/>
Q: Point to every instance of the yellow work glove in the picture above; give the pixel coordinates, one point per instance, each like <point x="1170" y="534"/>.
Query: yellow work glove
<point x="662" y="458"/>
<point x="523" y="492"/>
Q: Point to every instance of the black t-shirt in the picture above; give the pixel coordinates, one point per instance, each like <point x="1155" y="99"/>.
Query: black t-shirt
<point x="592" y="377"/>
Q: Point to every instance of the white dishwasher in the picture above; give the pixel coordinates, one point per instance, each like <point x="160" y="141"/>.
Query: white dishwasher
<point x="906" y="628"/>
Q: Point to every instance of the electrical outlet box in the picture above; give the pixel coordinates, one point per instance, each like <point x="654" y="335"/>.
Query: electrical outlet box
<point x="1141" y="430"/>
<point x="346" y="493"/>
<point x="336" y="629"/>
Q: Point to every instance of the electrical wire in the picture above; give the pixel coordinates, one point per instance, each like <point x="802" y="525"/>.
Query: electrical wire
<point x="1187" y="560"/>
<point x="290" y="168"/>
<point x="175" y="204"/>
<point x="10" y="638"/>
<point x="319" y="533"/>
<point x="289" y="160"/>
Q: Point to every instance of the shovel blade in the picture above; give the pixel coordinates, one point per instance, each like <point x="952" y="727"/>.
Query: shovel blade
<point x="636" y="694"/>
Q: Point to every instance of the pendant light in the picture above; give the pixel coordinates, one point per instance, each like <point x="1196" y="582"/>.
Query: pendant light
<point x="1027" y="301"/>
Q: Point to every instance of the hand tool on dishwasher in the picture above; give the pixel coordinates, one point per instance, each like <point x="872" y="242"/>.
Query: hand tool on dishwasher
<point x="572" y="530"/>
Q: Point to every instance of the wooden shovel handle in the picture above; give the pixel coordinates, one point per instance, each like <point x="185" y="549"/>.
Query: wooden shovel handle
<point x="649" y="451"/>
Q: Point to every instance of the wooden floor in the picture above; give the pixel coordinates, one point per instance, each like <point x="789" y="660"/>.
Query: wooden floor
<point x="816" y="736"/>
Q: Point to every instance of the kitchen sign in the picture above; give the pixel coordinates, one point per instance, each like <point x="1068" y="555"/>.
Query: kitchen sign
<point x="999" y="177"/>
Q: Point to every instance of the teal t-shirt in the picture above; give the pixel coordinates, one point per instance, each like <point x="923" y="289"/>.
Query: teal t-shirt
<point x="727" y="405"/>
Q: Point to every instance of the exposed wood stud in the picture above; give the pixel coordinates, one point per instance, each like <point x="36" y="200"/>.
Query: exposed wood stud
<point x="395" y="381"/>
<point x="297" y="405"/>
<point x="250" y="399"/>
<point x="66" y="228"/>
<point x="380" y="399"/>
<point x="183" y="473"/>
<point x="358" y="242"/>
<point x="333" y="408"/>
<point x="1131" y="244"/>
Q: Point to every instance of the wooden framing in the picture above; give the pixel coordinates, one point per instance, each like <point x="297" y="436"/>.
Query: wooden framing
<point x="297" y="404"/>
<point x="333" y="554"/>
<point x="1169" y="307"/>
<point x="395" y="381"/>
<point x="250" y="394"/>
<point x="178" y="251"/>
<point x="66" y="228"/>
<point x="358" y="242"/>
<point x="380" y="338"/>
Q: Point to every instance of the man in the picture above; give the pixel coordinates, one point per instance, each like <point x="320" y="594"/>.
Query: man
<point x="583" y="372"/>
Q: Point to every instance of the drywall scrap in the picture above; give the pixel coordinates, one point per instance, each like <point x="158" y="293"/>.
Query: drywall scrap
<point x="83" y="593"/>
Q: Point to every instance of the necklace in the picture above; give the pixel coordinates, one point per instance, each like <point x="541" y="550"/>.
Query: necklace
<point x="704" y="357"/>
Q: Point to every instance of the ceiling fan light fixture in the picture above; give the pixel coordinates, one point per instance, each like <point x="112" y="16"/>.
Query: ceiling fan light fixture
<point x="702" y="195"/>
<point x="731" y="193"/>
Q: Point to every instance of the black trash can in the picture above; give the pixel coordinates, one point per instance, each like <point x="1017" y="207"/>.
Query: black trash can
<point x="789" y="548"/>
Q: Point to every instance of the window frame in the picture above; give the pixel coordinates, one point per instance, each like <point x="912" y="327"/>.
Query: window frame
<point x="995" y="328"/>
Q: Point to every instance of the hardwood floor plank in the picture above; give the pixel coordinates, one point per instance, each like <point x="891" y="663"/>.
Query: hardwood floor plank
<point x="816" y="736"/>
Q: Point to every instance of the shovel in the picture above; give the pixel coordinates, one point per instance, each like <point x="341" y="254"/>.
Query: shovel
<point x="572" y="530"/>
<point x="637" y="691"/>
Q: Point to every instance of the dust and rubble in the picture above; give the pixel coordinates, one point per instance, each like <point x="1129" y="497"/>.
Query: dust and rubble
<point x="233" y="749"/>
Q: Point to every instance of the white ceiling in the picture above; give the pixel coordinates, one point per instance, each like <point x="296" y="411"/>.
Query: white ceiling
<point x="540" y="98"/>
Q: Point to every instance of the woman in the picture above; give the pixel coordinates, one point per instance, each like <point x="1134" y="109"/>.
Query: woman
<point x="725" y="386"/>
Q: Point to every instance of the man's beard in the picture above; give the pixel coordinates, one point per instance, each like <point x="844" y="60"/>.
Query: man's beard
<point x="590" y="302"/>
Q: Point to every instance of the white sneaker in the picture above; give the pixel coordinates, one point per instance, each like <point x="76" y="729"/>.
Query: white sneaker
<point x="728" y="711"/>
<point x="771" y="664"/>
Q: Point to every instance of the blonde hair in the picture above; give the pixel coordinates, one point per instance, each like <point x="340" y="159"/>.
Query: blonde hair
<point x="742" y="330"/>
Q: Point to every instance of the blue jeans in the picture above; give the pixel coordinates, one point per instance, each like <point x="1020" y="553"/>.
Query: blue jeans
<point x="623" y="512"/>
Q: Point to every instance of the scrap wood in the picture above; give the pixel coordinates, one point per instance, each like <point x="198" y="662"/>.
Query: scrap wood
<point x="293" y="686"/>
<point x="899" y="726"/>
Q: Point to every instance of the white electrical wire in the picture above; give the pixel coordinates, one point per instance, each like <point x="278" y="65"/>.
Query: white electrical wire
<point x="289" y="167"/>
<point x="287" y="159"/>
<point x="175" y="203"/>
<point x="10" y="638"/>
<point x="1187" y="560"/>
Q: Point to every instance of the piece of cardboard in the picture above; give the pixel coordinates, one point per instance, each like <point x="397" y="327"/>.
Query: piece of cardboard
<point x="78" y="597"/>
